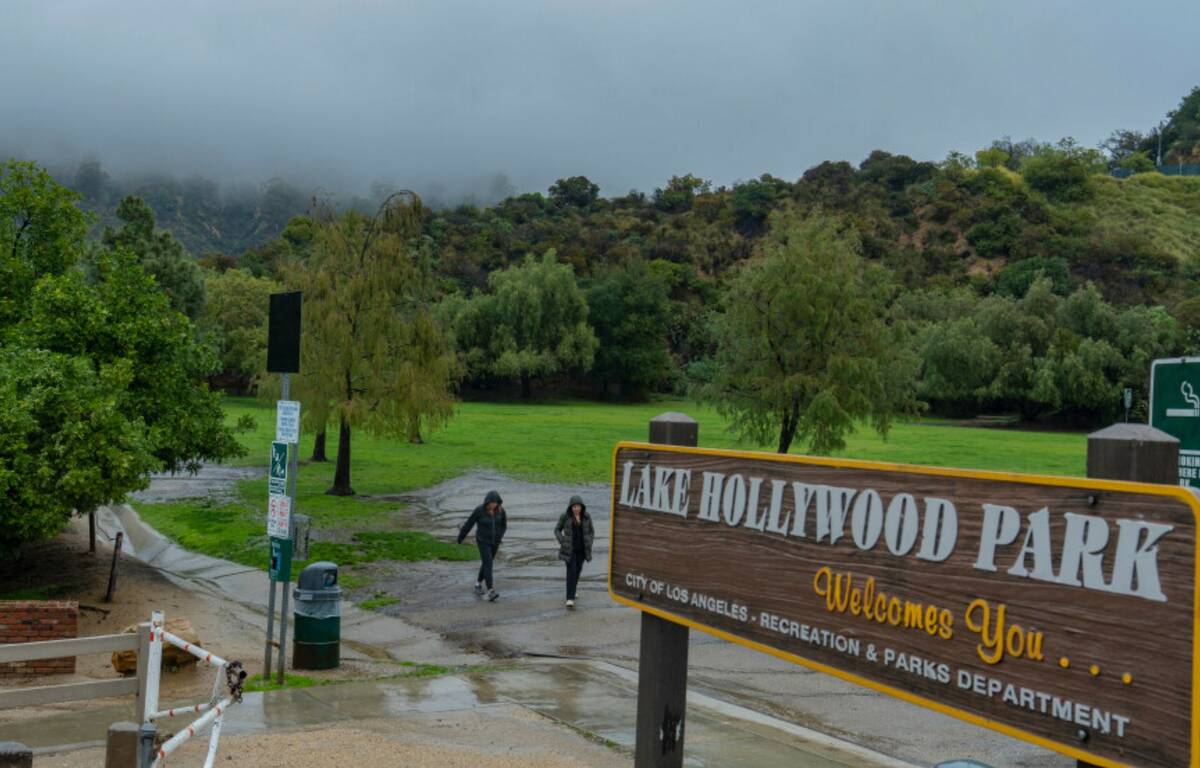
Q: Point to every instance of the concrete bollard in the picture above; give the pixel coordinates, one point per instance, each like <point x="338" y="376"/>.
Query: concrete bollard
<point x="14" y="754"/>
<point x="121" y="750"/>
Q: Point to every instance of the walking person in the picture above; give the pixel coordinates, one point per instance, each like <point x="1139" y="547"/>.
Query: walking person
<point x="575" y="534"/>
<point x="490" y="522"/>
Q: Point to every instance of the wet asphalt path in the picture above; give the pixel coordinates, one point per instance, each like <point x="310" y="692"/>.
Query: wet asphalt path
<point x="530" y="619"/>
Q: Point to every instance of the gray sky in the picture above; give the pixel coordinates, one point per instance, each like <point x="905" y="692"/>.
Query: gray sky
<point x="627" y="92"/>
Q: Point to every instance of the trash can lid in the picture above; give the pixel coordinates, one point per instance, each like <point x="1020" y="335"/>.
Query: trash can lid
<point x="322" y="575"/>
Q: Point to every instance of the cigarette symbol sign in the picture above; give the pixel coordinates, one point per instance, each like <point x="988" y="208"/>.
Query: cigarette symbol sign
<point x="1192" y="399"/>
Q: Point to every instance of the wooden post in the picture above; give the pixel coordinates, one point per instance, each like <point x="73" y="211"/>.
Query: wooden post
<point x="121" y="749"/>
<point x="112" y="575"/>
<point x="662" y="665"/>
<point x="1136" y="452"/>
<point x="143" y="671"/>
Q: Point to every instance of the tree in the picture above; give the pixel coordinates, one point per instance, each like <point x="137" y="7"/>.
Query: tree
<point x="533" y="324"/>
<point x="66" y="442"/>
<point x="804" y="348"/>
<point x="372" y="356"/>
<point x="42" y="233"/>
<point x="679" y="193"/>
<point x="630" y="311"/>
<point x="235" y="312"/>
<point x="101" y="382"/>
<point x="577" y="191"/>
<point x="1063" y="172"/>
<point x="160" y="254"/>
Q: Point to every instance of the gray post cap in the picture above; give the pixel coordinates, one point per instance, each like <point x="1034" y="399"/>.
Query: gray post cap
<point x="1138" y="433"/>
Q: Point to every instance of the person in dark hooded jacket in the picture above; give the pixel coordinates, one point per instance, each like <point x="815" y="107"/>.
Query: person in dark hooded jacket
<point x="575" y="534"/>
<point x="490" y="522"/>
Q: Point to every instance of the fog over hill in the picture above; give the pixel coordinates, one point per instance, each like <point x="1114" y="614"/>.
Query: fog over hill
<point x="445" y="96"/>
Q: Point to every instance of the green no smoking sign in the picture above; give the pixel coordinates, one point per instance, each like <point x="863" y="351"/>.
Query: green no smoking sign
<point x="1175" y="409"/>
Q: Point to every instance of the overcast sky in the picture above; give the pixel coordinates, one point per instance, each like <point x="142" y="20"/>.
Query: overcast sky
<point x="626" y="92"/>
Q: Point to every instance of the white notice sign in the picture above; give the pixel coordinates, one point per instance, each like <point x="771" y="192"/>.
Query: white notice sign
<point x="279" y="516"/>
<point x="287" y="421"/>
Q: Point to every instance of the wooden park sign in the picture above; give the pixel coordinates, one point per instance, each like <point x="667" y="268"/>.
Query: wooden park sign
<point x="1060" y="611"/>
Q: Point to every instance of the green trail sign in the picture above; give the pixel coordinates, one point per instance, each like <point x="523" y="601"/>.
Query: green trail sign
<point x="277" y="478"/>
<point x="1175" y="409"/>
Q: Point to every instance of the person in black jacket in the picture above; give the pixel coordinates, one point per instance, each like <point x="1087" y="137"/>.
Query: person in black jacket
<point x="490" y="523"/>
<point x="575" y="535"/>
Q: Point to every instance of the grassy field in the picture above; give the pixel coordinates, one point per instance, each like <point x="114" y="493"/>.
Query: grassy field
<point x="562" y="442"/>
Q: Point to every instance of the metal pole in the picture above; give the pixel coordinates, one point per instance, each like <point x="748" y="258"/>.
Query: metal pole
<point x="266" y="673"/>
<point x="285" y="586"/>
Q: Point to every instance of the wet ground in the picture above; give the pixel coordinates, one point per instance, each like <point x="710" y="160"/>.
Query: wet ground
<point x="530" y="620"/>
<point x="589" y="701"/>
<point x="577" y="667"/>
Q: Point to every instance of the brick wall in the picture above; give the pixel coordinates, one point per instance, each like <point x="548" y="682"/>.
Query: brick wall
<point x="31" y="621"/>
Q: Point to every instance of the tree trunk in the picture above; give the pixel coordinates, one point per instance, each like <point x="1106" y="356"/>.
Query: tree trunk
<point x="526" y="390"/>
<point x="414" y="430"/>
<point x="92" y="531"/>
<point x="319" y="447"/>
<point x="341" y="473"/>
<point x="787" y="429"/>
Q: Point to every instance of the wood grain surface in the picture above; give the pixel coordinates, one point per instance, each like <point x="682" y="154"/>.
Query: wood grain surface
<point x="1126" y="656"/>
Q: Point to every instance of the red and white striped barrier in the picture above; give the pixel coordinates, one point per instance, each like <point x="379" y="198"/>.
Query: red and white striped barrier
<point x="213" y="710"/>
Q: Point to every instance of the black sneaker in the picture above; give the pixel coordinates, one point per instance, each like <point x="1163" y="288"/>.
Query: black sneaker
<point x="479" y="590"/>
<point x="492" y="595"/>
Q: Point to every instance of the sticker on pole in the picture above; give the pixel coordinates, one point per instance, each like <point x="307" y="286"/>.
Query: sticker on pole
<point x="287" y="421"/>
<point x="279" y="516"/>
<point x="1175" y="409"/>
<point x="277" y="476"/>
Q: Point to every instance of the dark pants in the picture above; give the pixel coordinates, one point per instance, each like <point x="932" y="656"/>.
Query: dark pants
<point x="487" y="553"/>
<point x="574" y="568"/>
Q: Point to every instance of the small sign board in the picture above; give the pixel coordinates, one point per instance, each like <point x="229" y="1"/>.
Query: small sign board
<point x="277" y="474"/>
<point x="1175" y="409"/>
<point x="1061" y="611"/>
<point x="280" y="566"/>
<point x="279" y="516"/>
<point x="287" y="421"/>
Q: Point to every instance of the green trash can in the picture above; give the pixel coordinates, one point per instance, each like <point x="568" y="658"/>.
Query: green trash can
<point x="317" y="639"/>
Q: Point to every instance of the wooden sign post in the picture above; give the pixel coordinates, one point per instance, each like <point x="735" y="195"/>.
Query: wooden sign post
<point x="662" y="663"/>
<point x="1060" y="611"/>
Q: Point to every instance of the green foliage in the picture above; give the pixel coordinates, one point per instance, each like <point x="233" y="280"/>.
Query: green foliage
<point x="629" y="309"/>
<point x="679" y="193"/>
<point x="99" y="377"/>
<point x="1015" y="279"/>
<point x="41" y="233"/>
<point x="372" y="354"/>
<point x="65" y="442"/>
<point x="1040" y="354"/>
<point x="804" y="350"/>
<point x="1063" y="172"/>
<point x="1137" y="161"/>
<point x="160" y="254"/>
<point x="236" y="313"/>
<point x="576" y="191"/>
<point x="532" y="324"/>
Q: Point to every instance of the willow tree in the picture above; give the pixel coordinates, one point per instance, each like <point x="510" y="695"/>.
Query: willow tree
<point x="372" y="355"/>
<point x="805" y="347"/>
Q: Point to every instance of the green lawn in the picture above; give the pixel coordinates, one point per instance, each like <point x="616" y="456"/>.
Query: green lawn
<point x="564" y="442"/>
